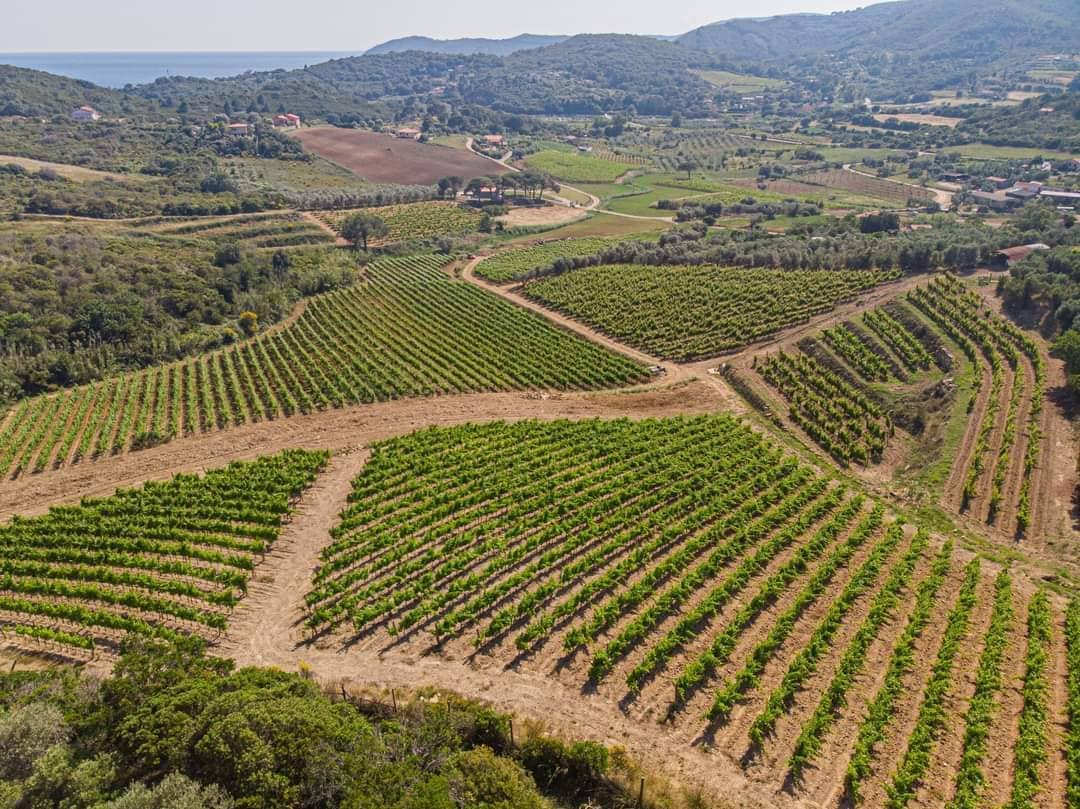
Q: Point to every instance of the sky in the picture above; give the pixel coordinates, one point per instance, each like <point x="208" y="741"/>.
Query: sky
<point x="348" y="25"/>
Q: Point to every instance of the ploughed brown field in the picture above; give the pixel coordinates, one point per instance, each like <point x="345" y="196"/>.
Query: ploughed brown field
<point x="381" y="158"/>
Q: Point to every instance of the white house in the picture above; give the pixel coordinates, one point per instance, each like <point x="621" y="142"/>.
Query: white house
<point x="85" y="114"/>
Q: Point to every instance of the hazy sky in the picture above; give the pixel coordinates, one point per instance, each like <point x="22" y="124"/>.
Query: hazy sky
<point x="347" y="25"/>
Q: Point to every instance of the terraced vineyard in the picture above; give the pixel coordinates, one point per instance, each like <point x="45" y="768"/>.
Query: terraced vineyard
<point x="998" y="466"/>
<point x="841" y="418"/>
<point x="514" y="265"/>
<point x="283" y="229"/>
<point x="408" y="330"/>
<point x="415" y="221"/>
<point x="688" y="570"/>
<point x="829" y="393"/>
<point x="683" y="313"/>
<point x="164" y="559"/>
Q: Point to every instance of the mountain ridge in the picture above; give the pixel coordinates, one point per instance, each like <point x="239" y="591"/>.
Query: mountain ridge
<point x="467" y="45"/>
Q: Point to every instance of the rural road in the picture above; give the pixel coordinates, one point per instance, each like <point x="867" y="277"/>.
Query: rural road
<point x="593" y="203"/>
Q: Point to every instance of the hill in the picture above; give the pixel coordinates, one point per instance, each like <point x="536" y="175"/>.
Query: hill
<point x="912" y="45"/>
<point x="594" y="73"/>
<point x="34" y="93"/>
<point x="585" y="74"/>
<point x="473" y="45"/>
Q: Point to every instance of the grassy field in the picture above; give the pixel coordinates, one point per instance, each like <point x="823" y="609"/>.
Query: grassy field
<point x="739" y="82"/>
<point x="844" y="154"/>
<point x="577" y="167"/>
<point x="415" y="221"/>
<point x="985" y="151"/>
<point x="287" y="175"/>
<point x="603" y="224"/>
<point x="642" y="204"/>
<point x="77" y="174"/>
<point x="453" y="141"/>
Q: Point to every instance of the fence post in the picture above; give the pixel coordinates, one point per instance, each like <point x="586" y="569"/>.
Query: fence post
<point x="511" y="733"/>
<point x="393" y="697"/>
<point x="641" y="794"/>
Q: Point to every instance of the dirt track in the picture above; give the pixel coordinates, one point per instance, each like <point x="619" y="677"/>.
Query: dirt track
<point x="266" y="628"/>
<point x="343" y="429"/>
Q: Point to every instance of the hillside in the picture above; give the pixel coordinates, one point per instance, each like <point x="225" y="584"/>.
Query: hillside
<point x="912" y="45"/>
<point x="34" y="93"/>
<point x="1049" y="122"/>
<point x="471" y="45"/>
<point x="933" y="27"/>
<point x="593" y="73"/>
<point x="586" y="74"/>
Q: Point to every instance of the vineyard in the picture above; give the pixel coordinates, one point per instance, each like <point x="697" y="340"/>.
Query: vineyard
<point x="866" y="185"/>
<point x="998" y="470"/>
<point x="514" y="265"/>
<point x="408" y="330"/>
<point x="689" y="571"/>
<point x="619" y="155"/>
<point x="829" y="393"/>
<point x="416" y="221"/>
<point x="253" y="230"/>
<point x="684" y="313"/>
<point x="838" y="416"/>
<point x="165" y="559"/>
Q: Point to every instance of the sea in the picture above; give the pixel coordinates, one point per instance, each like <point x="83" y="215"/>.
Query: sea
<point x="117" y="69"/>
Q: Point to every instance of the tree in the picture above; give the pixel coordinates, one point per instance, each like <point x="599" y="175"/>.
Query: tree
<point x="249" y="323"/>
<point x="361" y="228"/>
<point x="676" y="120"/>
<point x="1067" y="347"/>
<point x="880" y="222"/>
<point x="688" y="166"/>
<point x="450" y="186"/>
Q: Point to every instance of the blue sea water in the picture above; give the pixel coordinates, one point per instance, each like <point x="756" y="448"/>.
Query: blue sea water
<point x="114" y="69"/>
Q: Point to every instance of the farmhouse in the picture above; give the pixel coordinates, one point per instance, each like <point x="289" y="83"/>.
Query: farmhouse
<point x="995" y="201"/>
<point x="1011" y="255"/>
<point x="85" y="114"/>
<point x="494" y="140"/>
<point x="408" y="133"/>
<point x="1024" y="191"/>
<point x="238" y="129"/>
<point x="287" y="120"/>
<point x="998" y="182"/>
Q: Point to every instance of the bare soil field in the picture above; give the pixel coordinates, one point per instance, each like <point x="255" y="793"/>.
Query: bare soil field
<point x="381" y="158"/>
<point x="545" y="216"/>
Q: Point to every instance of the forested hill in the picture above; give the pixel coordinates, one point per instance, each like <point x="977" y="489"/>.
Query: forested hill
<point x="934" y="28"/>
<point x="494" y="47"/>
<point x="897" y="49"/>
<point x="586" y="74"/>
<point x="34" y="93"/>
<point x="593" y="73"/>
